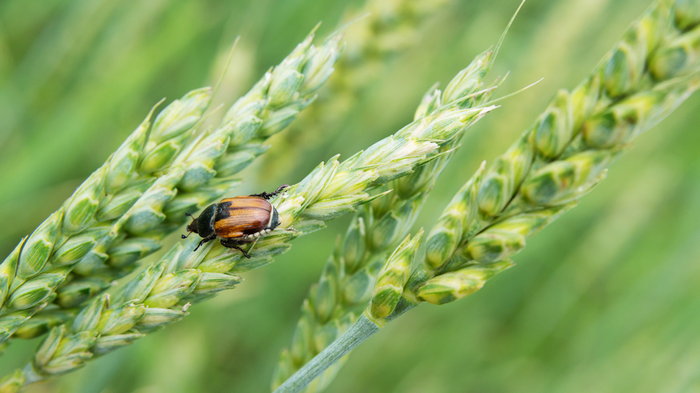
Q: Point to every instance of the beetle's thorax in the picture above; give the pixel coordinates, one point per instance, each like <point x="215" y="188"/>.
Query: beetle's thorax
<point x="205" y="221"/>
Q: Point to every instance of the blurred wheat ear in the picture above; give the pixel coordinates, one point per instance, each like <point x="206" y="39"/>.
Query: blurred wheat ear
<point x="376" y="32"/>
<point x="166" y="168"/>
<point x="348" y="277"/>
<point x="552" y="165"/>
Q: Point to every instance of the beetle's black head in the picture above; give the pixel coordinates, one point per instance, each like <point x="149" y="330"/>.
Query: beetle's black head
<point x="191" y="227"/>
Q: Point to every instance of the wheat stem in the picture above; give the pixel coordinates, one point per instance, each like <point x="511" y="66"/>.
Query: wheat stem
<point x="353" y="336"/>
<point x="357" y="333"/>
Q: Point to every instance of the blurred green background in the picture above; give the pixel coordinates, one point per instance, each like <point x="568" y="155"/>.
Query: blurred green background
<point x="604" y="300"/>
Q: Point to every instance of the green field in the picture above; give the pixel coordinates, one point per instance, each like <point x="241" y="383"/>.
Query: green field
<point x="602" y="300"/>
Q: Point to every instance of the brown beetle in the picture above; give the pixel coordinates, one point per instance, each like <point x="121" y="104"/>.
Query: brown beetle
<point x="236" y="221"/>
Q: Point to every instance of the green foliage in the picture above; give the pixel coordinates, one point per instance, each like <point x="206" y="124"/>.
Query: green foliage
<point x="608" y="287"/>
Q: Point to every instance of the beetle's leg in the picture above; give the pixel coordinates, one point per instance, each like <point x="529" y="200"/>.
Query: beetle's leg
<point x="199" y="244"/>
<point x="232" y="243"/>
<point x="245" y="253"/>
<point x="204" y="240"/>
<point x="268" y="195"/>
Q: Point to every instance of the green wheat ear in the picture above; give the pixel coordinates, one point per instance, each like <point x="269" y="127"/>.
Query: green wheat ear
<point x="559" y="160"/>
<point x="375" y="33"/>
<point x="167" y="167"/>
<point x="562" y="157"/>
<point x="209" y="168"/>
<point x="74" y="234"/>
<point x="345" y="285"/>
<point x="389" y="287"/>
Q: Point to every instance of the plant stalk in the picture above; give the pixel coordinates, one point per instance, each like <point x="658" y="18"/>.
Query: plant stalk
<point x="350" y="339"/>
<point x="356" y="334"/>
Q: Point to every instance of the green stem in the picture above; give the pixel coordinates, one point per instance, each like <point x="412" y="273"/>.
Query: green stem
<point x="356" y="334"/>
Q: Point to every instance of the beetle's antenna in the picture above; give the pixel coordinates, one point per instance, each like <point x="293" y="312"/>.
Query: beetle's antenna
<point x="190" y="216"/>
<point x="186" y="236"/>
<point x="270" y="195"/>
<point x="281" y="188"/>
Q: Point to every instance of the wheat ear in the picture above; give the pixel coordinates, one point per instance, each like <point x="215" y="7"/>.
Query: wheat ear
<point x="348" y="277"/>
<point x="564" y="155"/>
<point x="376" y="32"/>
<point x="157" y="188"/>
<point x="209" y="169"/>
<point x="557" y="161"/>
<point x="30" y="275"/>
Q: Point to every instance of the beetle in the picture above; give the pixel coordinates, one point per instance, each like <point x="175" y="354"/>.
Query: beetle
<point x="236" y="221"/>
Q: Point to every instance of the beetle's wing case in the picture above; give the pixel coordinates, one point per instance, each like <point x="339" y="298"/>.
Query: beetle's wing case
<point x="240" y="216"/>
<point x="240" y="202"/>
